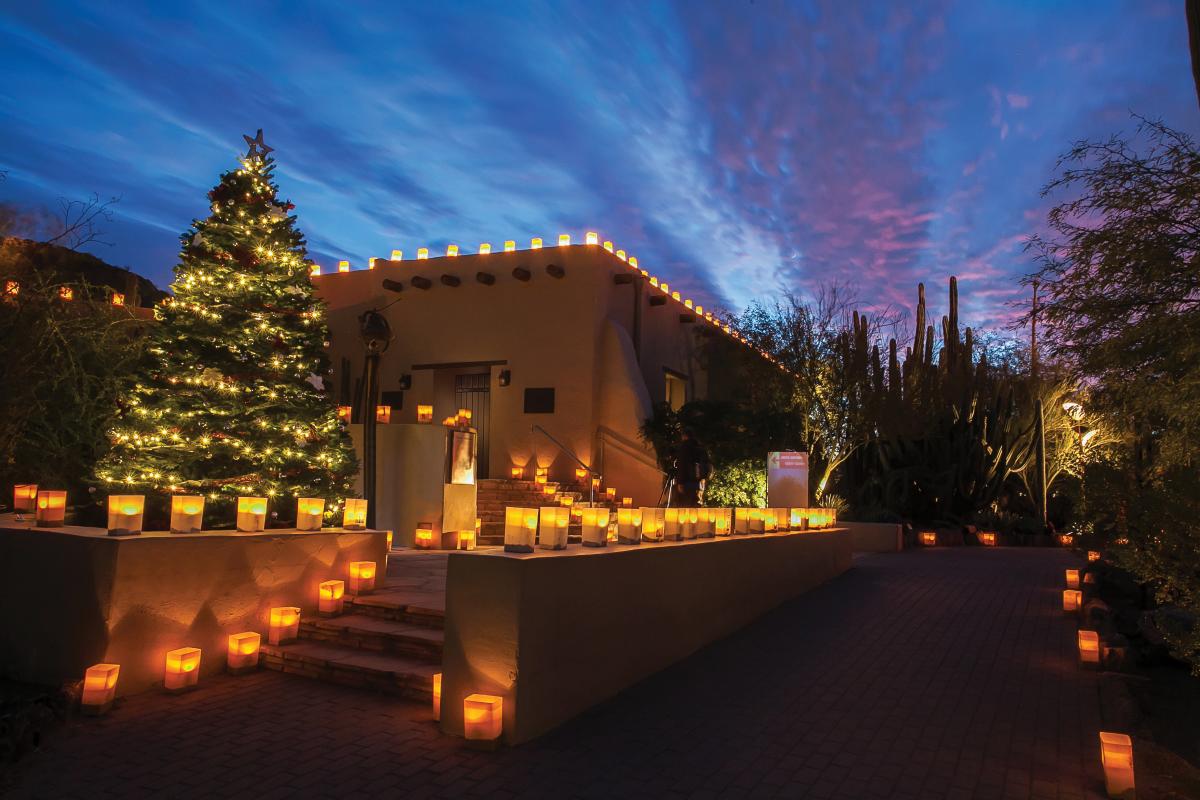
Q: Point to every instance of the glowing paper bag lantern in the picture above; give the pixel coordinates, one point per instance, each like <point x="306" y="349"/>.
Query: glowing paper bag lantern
<point x="1093" y="555"/>
<point x="629" y="525"/>
<point x="362" y="577"/>
<point x="672" y="525"/>
<point x="354" y="516"/>
<point x="182" y="671"/>
<point x="564" y="239"/>
<point x="517" y="472"/>
<point x="483" y="718"/>
<point x="987" y="538"/>
<point x="608" y="246"/>
<point x="595" y="527"/>
<point x="343" y="413"/>
<point x="187" y="513"/>
<point x="314" y="270"/>
<point x="1089" y="648"/>
<point x="467" y="540"/>
<point x="722" y="521"/>
<point x="611" y="493"/>
<point x="758" y="520"/>
<point x="485" y="248"/>
<point x="397" y="255"/>
<point x="423" y="536"/>
<point x="580" y="473"/>
<point x="687" y="522"/>
<point x="310" y="511"/>
<point x="424" y="413"/>
<point x="125" y="514"/>
<point x="741" y="520"/>
<point x="652" y="523"/>
<point x="371" y="262"/>
<point x="251" y="514"/>
<point x="51" y="509"/>
<point x="1072" y="599"/>
<point x="437" y="695"/>
<point x="520" y="527"/>
<point x="118" y="299"/>
<point x="591" y="238"/>
<point x="25" y="497"/>
<point x="552" y="527"/>
<point x="99" y="689"/>
<point x="929" y="538"/>
<point x="703" y="524"/>
<point x="1072" y="579"/>
<point x="242" y="652"/>
<point x="330" y="598"/>
<point x="769" y="520"/>
<point x="422" y="253"/>
<point x="627" y="502"/>
<point x="284" y="625"/>
<point x="797" y="519"/>
<point x="343" y="266"/>
<point x="451" y="250"/>
<point x="509" y="245"/>
<point x="383" y="414"/>
<point x="1116" y="754"/>
<point x="535" y="243"/>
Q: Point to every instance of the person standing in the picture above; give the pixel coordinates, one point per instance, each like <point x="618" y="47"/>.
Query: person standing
<point x="692" y="469"/>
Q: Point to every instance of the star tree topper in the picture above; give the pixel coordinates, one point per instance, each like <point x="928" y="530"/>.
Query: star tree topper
<point x="258" y="148"/>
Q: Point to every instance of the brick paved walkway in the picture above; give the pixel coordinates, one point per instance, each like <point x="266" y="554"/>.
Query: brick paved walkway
<point x="945" y="673"/>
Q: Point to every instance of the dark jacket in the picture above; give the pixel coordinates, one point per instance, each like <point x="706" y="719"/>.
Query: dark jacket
<point x="691" y="463"/>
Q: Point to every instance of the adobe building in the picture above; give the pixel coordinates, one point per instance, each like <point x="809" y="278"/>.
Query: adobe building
<point x="559" y="352"/>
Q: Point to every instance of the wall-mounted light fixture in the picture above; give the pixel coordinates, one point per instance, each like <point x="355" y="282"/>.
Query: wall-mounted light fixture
<point x="505" y="377"/>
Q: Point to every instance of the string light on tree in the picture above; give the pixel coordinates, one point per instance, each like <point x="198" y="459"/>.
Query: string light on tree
<point x="232" y="403"/>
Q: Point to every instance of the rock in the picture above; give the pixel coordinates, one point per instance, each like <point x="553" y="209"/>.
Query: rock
<point x="1097" y="616"/>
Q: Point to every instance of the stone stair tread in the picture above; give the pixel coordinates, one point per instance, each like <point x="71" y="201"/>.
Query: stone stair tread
<point x="405" y="599"/>
<point x="360" y="623"/>
<point x="364" y="660"/>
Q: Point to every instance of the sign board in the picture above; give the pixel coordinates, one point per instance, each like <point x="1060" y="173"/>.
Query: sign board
<point x="787" y="480"/>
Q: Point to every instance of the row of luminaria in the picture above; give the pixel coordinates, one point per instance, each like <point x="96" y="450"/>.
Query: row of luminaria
<point x="564" y="240"/>
<point x="546" y="527"/>
<point x="125" y="511"/>
<point x="181" y="666"/>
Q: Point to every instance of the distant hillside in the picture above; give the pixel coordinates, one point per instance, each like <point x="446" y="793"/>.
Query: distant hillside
<point x="21" y="256"/>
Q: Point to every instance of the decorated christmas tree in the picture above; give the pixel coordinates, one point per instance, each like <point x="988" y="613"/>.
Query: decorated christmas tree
<point x="232" y="401"/>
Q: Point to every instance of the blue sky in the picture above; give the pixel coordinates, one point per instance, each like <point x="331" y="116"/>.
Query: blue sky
<point x="736" y="147"/>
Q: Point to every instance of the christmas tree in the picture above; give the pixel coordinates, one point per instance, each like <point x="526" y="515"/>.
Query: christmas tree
<point x="231" y="402"/>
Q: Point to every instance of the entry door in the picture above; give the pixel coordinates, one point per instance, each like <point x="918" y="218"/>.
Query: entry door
<point x="471" y="392"/>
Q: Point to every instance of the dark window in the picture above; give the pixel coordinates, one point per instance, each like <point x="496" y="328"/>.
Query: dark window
<point x="393" y="399"/>
<point x="539" y="401"/>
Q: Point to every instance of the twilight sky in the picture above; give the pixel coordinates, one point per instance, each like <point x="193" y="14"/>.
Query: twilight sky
<point x="735" y="147"/>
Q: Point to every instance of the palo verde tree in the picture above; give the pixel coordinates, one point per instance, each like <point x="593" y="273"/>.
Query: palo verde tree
<point x="231" y="400"/>
<point x="1120" y="274"/>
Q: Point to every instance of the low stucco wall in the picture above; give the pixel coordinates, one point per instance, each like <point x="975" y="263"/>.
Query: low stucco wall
<point x="72" y="597"/>
<point x="875" y="537"/>
<point x="556" y="633"/>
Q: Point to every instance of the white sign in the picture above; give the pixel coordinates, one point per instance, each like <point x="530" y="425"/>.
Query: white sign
<point x="787" y="480"/>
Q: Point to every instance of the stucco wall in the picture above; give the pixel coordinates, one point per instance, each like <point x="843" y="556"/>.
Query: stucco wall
<point x="555" y="633"/>
<point x="549" y="332"/>
<point x="875" y="537"/>
<point x="72" y="597"/>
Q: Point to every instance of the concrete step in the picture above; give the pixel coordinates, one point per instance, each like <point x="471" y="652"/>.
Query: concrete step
<point x="377" y="634"/>
<point x="383" y="672"/>
<point x="427" y="609"/>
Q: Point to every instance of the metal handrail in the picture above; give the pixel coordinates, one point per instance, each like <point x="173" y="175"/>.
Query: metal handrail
<point x="569" y="452"/>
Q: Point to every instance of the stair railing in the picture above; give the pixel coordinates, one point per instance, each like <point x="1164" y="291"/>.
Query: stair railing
<point x="575" y="458"/>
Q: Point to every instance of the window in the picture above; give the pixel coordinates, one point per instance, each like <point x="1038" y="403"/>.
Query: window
<point x="539" y="401"/>
<point x="676" y="390"/>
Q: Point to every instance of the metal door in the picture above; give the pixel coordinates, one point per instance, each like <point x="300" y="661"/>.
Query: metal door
<point x="471" y="392"/>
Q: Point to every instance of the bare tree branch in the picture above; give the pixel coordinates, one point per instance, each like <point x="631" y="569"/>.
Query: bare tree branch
<point x="80" y="222"/>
